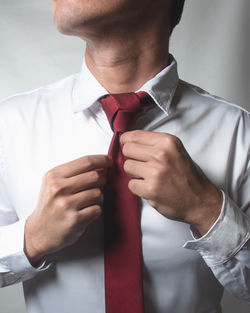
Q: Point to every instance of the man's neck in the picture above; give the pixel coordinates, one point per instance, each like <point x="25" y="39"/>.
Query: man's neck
<point x="124" y="61"/>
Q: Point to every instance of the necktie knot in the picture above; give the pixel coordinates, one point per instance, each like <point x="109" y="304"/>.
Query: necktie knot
<point x="122" y="110"/>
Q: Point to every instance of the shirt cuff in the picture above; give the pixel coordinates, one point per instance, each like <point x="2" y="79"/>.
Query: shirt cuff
<point x="226" y="237"/>
<point x="14" y="263"/>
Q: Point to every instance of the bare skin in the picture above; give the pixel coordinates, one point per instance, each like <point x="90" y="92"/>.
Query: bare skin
<point x="69" y="201"/>
<point x="125" y="39"/>
<point x="126" y="45"/>
<point x="162" y="172"/>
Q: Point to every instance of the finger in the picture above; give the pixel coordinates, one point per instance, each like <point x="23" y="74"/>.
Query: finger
<point x="85" y="181"/>
<point x="164" y="142"/>
<point x="136" y="169"/>
<point x="138" y="187"/>
<point x="138" y="151"/>
<point x="82" y="165"/>
<point x="89" y="214"/>
<point x="141" y="136"/>
<point x="86" y="198"/>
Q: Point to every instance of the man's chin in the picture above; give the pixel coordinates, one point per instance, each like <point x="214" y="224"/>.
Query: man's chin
<point x="67" y="21"/>
<point x="65" y="29"/>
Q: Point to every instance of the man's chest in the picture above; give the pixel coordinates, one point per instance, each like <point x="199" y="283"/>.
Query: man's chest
<point x="51" y="143"/>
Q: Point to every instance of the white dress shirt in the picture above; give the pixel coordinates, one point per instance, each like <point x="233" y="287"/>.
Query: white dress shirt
<point x="55" y="124"/>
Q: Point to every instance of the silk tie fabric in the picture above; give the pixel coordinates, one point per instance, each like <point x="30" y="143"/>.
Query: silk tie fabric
<point x="122" y="231"/>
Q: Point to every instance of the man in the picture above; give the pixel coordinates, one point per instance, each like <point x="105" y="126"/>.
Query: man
<point x="187" y="161"/>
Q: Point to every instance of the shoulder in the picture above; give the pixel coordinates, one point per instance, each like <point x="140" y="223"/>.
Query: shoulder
<point x="227" y="122"/>
<point x="212" y="101"/>
<point x="26" y="103"/>
<point x="210" y="105"/>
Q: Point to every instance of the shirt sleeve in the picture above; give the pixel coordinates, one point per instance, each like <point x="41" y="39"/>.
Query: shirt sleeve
<point x="14" y="264"/>
<point x="226" y="246"/>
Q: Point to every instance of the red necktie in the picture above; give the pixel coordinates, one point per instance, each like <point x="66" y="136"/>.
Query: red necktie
<point x="122" y="231"/>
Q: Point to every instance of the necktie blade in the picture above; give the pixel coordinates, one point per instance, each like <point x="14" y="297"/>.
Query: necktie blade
<point x="122" y="231"/>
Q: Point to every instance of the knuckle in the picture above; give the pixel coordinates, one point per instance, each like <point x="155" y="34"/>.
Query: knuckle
<point x="153" y="203"/>
<point x="55" y="187"/>
<point x="50" y="175"/>
<point x="91" y="213"/>
<point x="88" y="160"/>
<point x="161" y="155"/>
<point x="131" y="185"/>
<point x="135" y="134"/>
<point x="167" y="139"/>
<point x="62" y="203"/>
<point x="95" y="176"/>
<point x="127" y="147"/>
<point x="98" y="178"/>
<point x="176" y="141"/>
<point x="53" y="183"/>
<point x="97" y="193"/>
<point x="73" y="220"/>
<point x="172" y="141"/>
<point x="156" y="174"/>
<point x="151" y="189"/>
<point x="97" y="210"/>
<point x="127" y="165"/>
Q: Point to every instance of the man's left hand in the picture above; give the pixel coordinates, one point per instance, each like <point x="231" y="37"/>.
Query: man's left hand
<point x="163" y="173"/>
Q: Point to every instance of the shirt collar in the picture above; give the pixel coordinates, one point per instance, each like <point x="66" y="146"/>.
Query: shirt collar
<point x="87" y="90"/>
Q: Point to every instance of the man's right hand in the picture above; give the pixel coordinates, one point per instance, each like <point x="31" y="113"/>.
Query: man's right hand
<point x="69" y="201"/>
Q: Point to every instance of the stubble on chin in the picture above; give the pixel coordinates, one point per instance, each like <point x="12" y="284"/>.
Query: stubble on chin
<point x="68" y="19"/>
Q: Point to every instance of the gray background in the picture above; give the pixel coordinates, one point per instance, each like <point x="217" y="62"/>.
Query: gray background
<point x="211" y="45"/>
